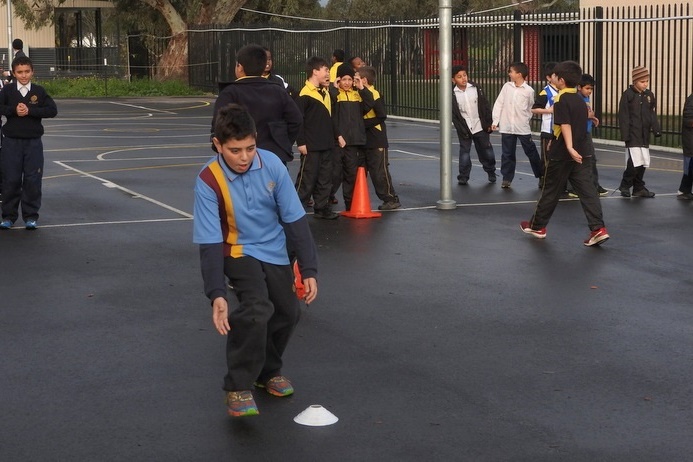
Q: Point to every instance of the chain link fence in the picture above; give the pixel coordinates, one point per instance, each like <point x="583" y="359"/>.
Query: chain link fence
<point x="608" y="42"/>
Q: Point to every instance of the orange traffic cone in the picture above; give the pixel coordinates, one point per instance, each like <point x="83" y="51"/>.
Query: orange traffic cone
<point x="361" y="202"/>
<point x="299" y="288"/>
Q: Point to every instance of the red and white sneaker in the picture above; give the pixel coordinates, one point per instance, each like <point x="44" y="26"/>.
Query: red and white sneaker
<point x="527" y="228"/>
<point x="597" y="237"/>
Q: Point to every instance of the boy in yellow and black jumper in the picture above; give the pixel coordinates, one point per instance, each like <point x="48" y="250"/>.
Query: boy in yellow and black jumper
<point x="350" y="106"/>
<point x="316" y="140"/>
<point x="377" y="160"/>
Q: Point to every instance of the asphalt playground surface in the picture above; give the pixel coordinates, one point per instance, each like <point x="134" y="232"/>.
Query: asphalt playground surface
<point x="438" y="335"/>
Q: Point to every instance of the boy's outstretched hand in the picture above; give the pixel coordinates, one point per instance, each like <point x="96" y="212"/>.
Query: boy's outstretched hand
<point x="220" y="315"/>
<point x="310" y="286"/>
<point x="575" y="155"/>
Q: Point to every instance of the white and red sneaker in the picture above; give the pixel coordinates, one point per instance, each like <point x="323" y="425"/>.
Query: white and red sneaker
<point x="527" y="228"/>
<point x="597" y="237"/>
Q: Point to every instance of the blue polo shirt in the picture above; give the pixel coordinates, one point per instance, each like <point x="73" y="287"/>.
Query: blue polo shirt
<point x="243" y="210"/>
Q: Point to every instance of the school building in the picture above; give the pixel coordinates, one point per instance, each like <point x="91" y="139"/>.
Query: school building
<point x="75" y="43"/>
<point x="656" y="34"/>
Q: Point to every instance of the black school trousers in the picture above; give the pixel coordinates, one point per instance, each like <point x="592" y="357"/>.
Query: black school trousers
<point x="22" y="176"/>
<point x="580" y="176"/>
<point x="378" y="165"/>
<point x="314" y="179"/>
<point x="261" y="322"/>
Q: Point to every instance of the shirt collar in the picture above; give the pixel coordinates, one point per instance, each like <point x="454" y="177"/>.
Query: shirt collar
<point x="568" y="90"/>
<point x="28" y="86"/>
<point x="469" y="85"/>
<point x="230" y="174"/>
<point x="318" y="88"/>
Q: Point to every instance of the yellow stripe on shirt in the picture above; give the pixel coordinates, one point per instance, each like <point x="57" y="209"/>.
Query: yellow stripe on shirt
<point x="556" y="127"/>
<point x="231" y="237"/>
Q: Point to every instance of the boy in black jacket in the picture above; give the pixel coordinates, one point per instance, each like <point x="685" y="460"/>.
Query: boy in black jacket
<point x="377" y="160"/>
<point x="686" y="188"/>
<point x="24" y="105"/>
<point x="316" y="140"/>
<point x="637" y="117"/>
<point x="471" y="116"/>
<point x="276" y="116"/>
<point x="350" y="105"/>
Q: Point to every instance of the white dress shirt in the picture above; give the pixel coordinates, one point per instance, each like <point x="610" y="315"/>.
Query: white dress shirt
<point x="512" y="110"/>
<point x="24" y="89"/>
<point x="468" y="102"/>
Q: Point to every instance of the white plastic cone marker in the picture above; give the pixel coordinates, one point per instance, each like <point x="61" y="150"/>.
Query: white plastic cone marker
<point x="316" y="416"/>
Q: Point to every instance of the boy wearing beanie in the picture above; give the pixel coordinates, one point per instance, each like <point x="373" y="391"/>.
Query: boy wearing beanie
<point x="351" y="103"/>
<point x="637" y="117"/>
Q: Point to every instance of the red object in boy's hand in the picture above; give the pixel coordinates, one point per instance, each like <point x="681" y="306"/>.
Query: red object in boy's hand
<point x="298" y="283"/>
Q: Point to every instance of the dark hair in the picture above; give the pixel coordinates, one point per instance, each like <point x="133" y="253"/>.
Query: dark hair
<point x="22" y="61"/>
<point x="548" y="68"/>
<point x="338" y="55"/>
<point x="253" y="58"/>
<point x="569" y="71"/>
<point x="313" y="64"/>
<point x="520" y="67"/>
<point x="233" y="122"/>
<point x="17" y="44"/>
<point x="351" y="60"/>
<point x="457" y="68"/>
<point x="587" y="79"/>
<point x="368" y="72"/>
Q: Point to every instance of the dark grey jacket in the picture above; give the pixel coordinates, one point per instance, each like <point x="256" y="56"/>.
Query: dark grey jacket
<point x="687" y="127"/>
<point x="485" y="114"/>
<point x="637" y="117"/>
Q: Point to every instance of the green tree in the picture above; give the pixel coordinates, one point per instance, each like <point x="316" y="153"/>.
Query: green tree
<point x="175" y="14"/>
<point x="282" y="9"/>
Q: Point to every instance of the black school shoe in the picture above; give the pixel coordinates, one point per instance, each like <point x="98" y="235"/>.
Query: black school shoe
<point x="392" y="205"/>
<point x="643" y="193"/>
<point x="325" y="214"/>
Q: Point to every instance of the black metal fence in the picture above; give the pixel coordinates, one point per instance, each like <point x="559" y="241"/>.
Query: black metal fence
<point x="608" y="42"/>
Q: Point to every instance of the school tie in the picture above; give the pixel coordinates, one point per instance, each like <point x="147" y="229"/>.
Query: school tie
<point x="23" y="90"/>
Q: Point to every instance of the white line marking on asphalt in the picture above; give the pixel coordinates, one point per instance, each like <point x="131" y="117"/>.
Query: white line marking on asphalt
<point x="146" y="148"/>
<point x="142" y="107"/>
<point x="126" y="190"/>
<point x="124" y="222"/>
<point x="517" y="172"/>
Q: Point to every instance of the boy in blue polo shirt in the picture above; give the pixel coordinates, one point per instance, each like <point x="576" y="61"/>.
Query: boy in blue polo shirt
<point x="246" y="209"/>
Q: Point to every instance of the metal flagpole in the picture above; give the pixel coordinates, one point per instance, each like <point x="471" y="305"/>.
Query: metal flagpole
<point x="9" y="33"/>
<point x="446" y="201"/>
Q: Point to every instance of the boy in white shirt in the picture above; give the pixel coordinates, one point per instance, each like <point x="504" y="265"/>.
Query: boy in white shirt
<point x="512" y="112"/>
<point x="471" y="116"/>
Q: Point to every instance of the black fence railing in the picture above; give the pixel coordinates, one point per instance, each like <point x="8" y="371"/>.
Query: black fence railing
<point x="85" y="60"/>
<point x="608" y="42"/>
